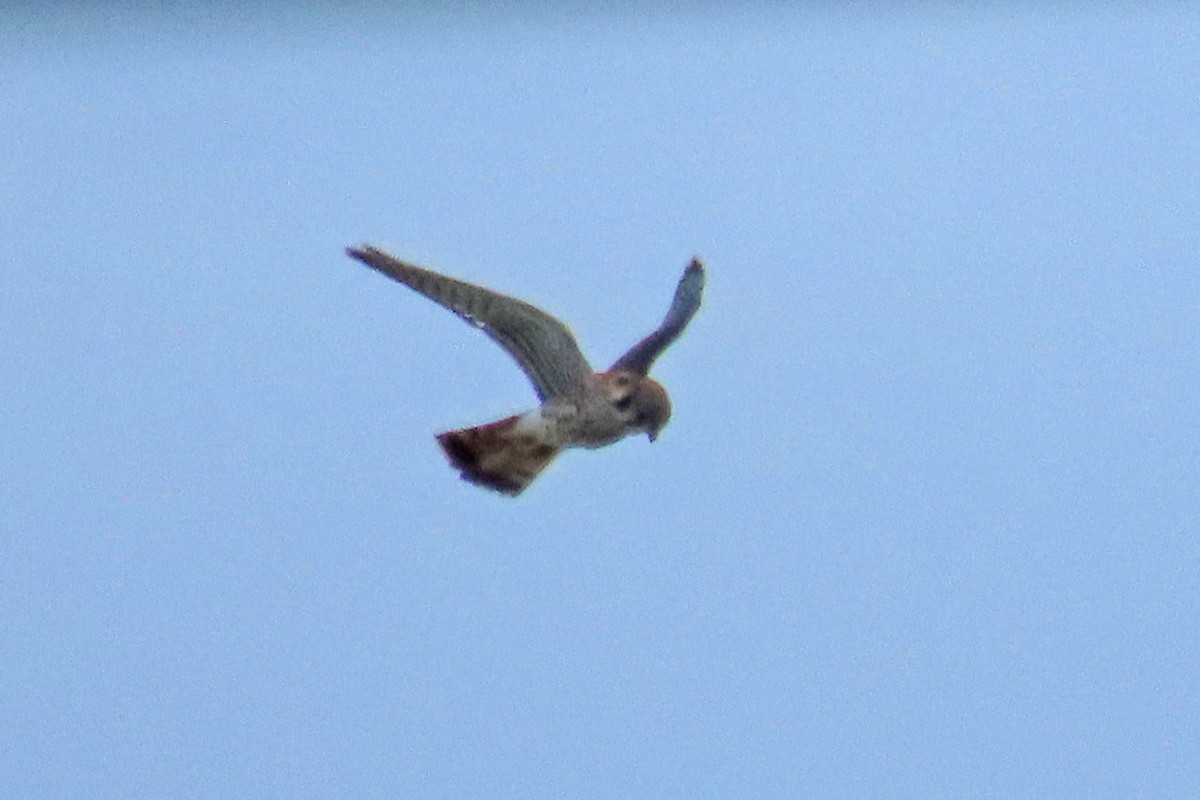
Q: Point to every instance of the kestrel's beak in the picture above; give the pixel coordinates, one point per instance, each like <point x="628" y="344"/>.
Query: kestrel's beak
<point x="651" y="435"/>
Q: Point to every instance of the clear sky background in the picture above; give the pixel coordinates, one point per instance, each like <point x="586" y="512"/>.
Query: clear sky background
<point x="925" y="521"/>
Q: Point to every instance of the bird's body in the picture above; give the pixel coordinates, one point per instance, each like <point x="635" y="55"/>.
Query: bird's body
<point x="580" y="407"/>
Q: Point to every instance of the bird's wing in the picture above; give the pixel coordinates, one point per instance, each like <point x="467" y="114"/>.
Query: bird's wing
<point x="683" y="308"/>
<point x="543" y="347"/>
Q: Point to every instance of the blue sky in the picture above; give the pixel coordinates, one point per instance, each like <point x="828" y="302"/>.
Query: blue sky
<point x="924" y="523"/>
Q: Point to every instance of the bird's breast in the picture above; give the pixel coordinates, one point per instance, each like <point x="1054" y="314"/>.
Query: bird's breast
<point x="586" y="422"/>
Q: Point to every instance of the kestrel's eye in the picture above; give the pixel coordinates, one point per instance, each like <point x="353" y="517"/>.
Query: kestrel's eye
<point x="623" y="403"/>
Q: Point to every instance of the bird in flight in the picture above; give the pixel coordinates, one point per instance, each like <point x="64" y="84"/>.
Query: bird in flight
<point x="579" y="406"/>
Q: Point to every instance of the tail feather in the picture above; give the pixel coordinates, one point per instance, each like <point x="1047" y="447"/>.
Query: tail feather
<point x="498" y="455"/>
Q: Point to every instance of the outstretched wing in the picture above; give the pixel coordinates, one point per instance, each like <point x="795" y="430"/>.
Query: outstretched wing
<point x="543" y="346"/>
<point x="683" y="308"/>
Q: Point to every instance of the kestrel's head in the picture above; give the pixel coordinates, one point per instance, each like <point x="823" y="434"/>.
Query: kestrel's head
<point x="641" y="402"/>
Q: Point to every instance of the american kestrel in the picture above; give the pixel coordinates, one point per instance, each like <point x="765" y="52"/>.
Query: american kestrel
<point x="580" y="407"/>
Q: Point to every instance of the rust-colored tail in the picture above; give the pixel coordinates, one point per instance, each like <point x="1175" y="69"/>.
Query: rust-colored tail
<point x="497" y="455"/>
